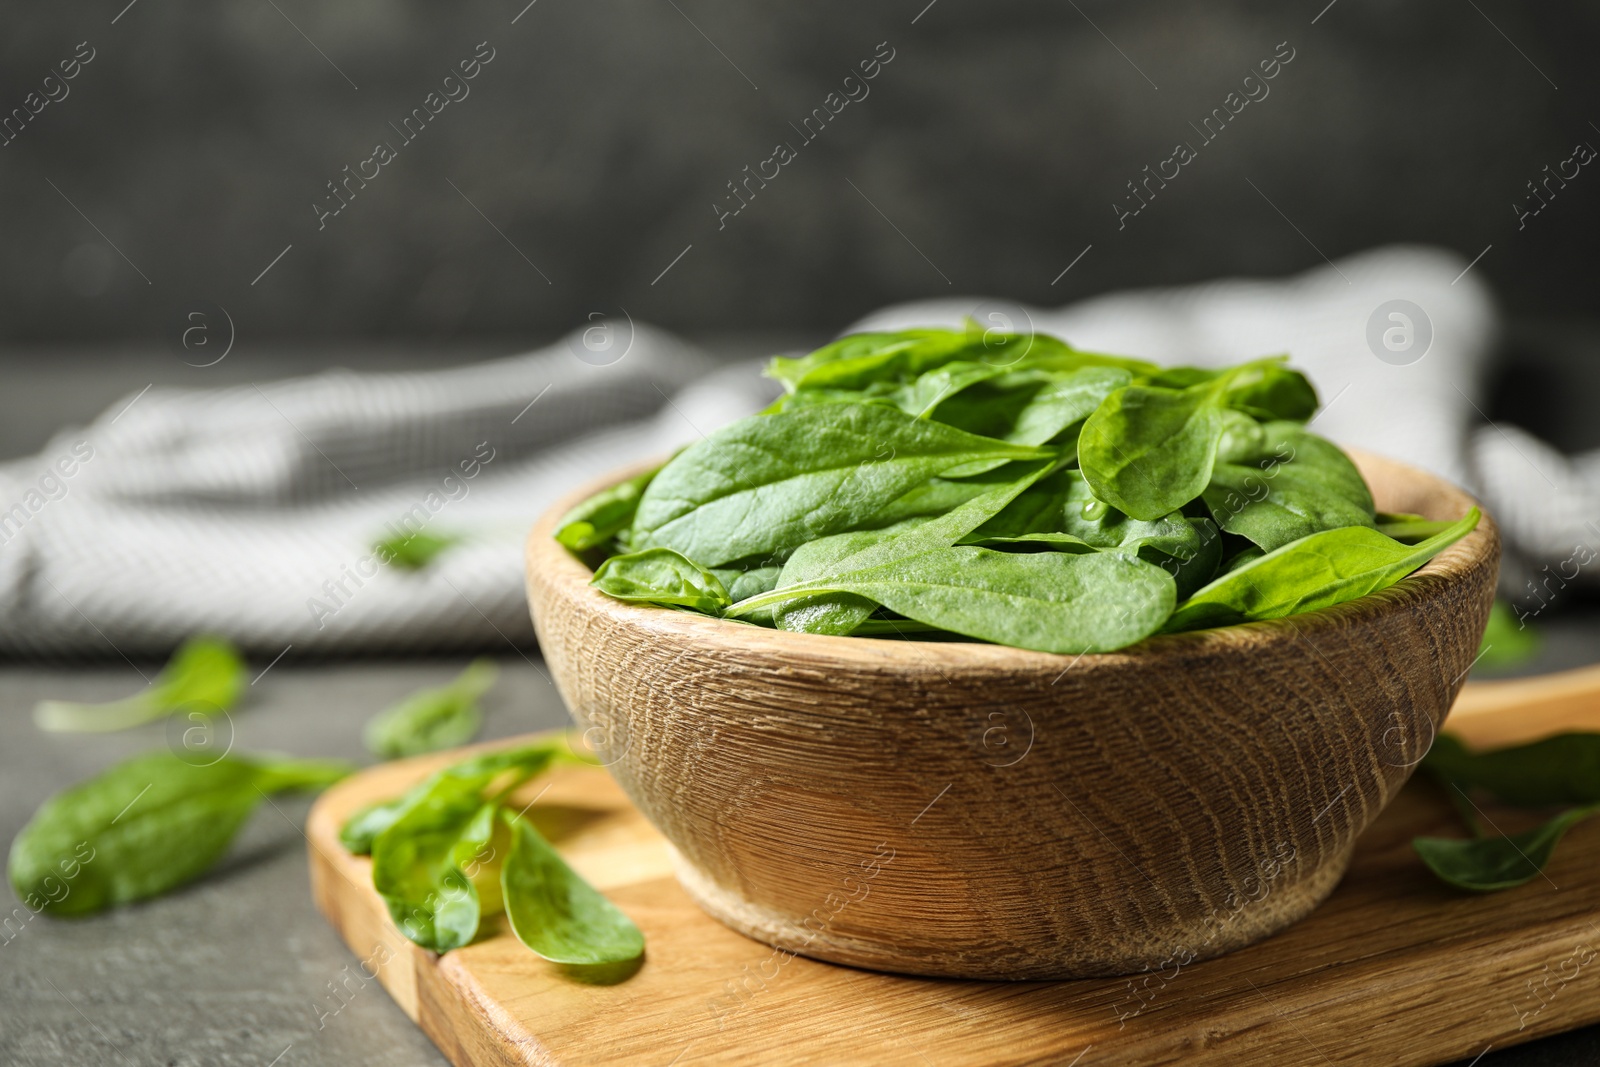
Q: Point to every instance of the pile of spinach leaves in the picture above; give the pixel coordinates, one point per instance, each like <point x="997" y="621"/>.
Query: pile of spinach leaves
<point x="1009" y="488"/>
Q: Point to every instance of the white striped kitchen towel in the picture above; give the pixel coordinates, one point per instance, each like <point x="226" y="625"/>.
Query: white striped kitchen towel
<point x="252" y="511"/>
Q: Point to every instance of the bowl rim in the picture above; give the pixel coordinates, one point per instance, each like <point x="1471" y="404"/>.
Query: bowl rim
<point x="552" y="564"/>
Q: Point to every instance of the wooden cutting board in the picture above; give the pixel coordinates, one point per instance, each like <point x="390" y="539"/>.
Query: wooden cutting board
<point x="1393" y="969"/>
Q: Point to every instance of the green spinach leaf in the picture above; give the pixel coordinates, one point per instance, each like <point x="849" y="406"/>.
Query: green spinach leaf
<point x="1048" y="601"/>
<point x="507" y="767"/>
<point x="1487" y="864"/>
<point x="862" y="359"/>
<point x="1314" y="572"/>
<point x="1408" y="528"/>
<point x="555" y="912"/>
<point x="601" y="517"/>
<point x="1147" y="451"/>
<point x="1270" y="391"/>
<point x="1564" y="769"/>
<point x="750" y="582"/>
<point x="1297" y="485"/>
<point x="839" y="612"/>
<point x="145" y="826"/>
<point x="432" y="719"/>
<point x="662" y="576"/>
<point x="770" y="484"/>
<point x="205" y="675"/>
<point x="414" y="551"/>
<point x="417" y="864"/>
<point x="1065" y="402"/>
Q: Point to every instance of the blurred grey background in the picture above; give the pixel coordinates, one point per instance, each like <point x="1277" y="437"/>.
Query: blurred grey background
<point x="189" y="152"/>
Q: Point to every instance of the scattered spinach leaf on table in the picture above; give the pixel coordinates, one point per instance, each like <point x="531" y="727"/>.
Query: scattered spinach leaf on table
<point x="146" y="826"/>
<point x="1487" y="864"/>
<point x="205" y="676"/>
<point x="414" y="551"/>
<point x="451" y="851"/>
<point x="1508" y="641"/>
<point x="555" y="912"/>
<point x="1563" y="769"/>
<point x="432" y="719"/>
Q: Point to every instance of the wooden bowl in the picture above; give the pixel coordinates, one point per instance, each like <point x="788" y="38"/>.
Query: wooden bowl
<point x="968" y="810"/>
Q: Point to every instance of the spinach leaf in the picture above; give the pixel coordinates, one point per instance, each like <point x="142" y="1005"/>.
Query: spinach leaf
<point x="144" y="827"/>
<point x="511" y="766"/>
<point x="1263" y="389"/>
<point x="204" y="675"/>
<point x="753" y="581"/>
<point x="1486" y="864"/>
<point x="1240" y="558"/>
<point x="417" y="864"/>
<point x="1314" y="572"/>
<point x="1068" y="400"/>
<point x="1057" y="542"/>
<point x="432" y="719"/>
<point x="1270" y="391"/>
<point x="604" y="515"/>
<point x="661" y="576"/>
<point x="1408" y="528"/>
<point x="1148" y="450"/>
<point x="880" y="393"/>
<point x="1048" y="601"/>
<point x="920" y="397"/>
<point x="1296" y="486"/>
<point x="448" y="852"/>
<point x="933" y="497"/>
<point x="1242" y="439"/>
<point x="826" y="613"/>
<point x="424" y="845"/>
<point x="555" y="912"/>
<point x="1029" y="402"/>
<point x="838" y="612"/>
<point x="1181" y="377"/>
<point x="860" y="360"/>
<point x="1508" y="641"/>
<point x="414" y="551"/>
<point x="1063" y="506"/>
<point x="769" y="484"/>
<point x="1564" y="769"/>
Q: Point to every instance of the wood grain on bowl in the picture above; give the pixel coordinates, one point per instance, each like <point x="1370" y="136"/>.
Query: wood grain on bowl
<point x="1019" y="814"/>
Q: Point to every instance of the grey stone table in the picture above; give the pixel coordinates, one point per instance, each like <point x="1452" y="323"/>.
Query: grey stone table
<point x="238" y="970"/>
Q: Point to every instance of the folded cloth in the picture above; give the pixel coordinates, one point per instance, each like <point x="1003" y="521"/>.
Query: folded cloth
<point x="253" y="512"/>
